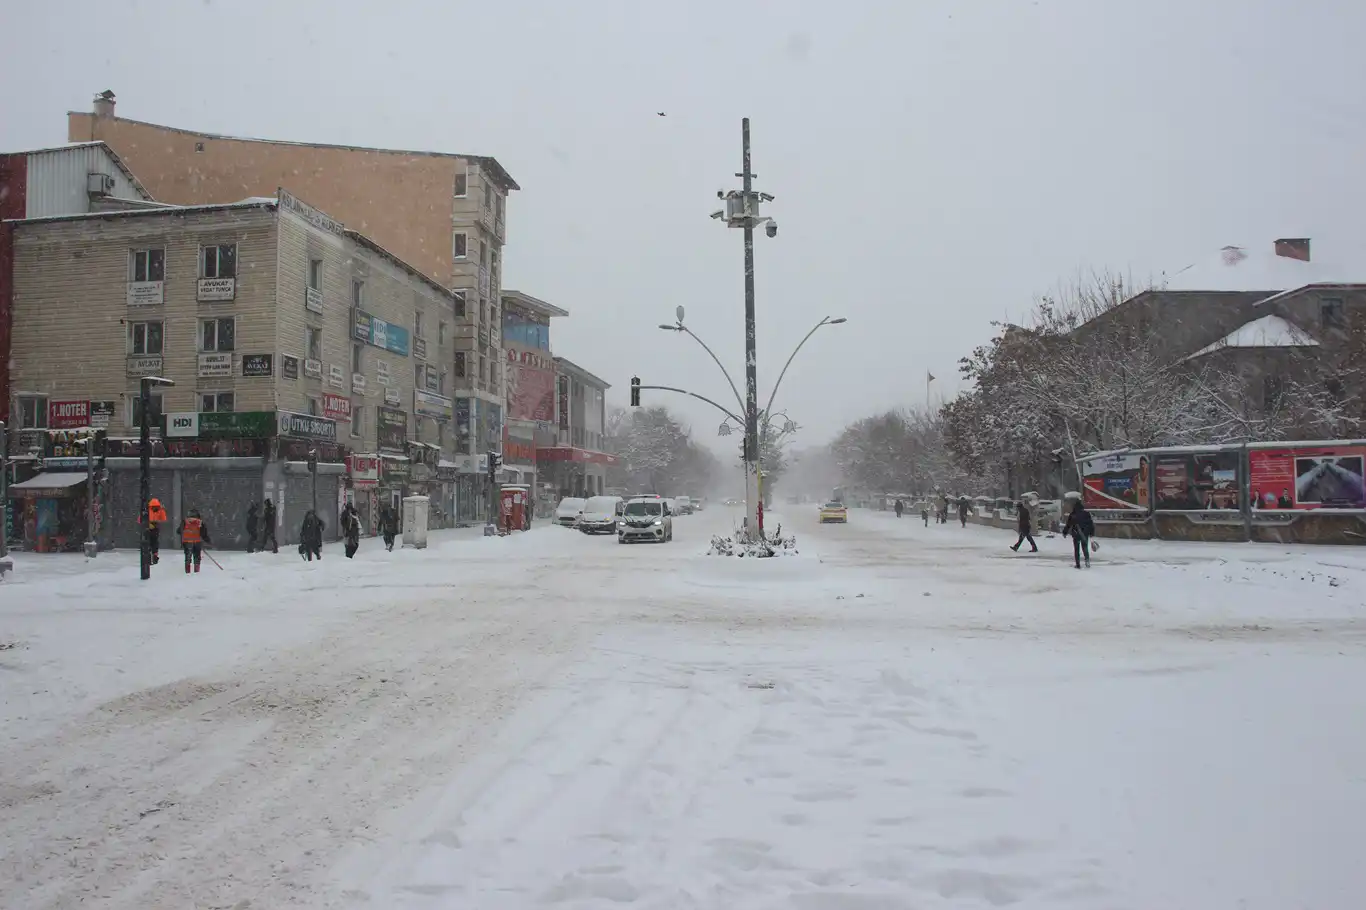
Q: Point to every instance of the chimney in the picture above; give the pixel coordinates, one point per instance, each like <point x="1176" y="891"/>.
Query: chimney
<point x="104" y="104"/>
<point x="1294" y="248"/>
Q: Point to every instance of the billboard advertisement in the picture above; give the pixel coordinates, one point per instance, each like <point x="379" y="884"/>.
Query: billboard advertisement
<point x="1308" y="477"/>
<point x="530" y="378"/>
<point x="1117" y="482"/>
<point x="1195" y="481"/>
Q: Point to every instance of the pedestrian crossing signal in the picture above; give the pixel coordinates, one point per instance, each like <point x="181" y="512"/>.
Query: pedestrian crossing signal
<point x="635" y="391"/>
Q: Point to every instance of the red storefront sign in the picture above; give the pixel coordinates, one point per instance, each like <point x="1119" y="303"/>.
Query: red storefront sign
<point x="517" y="451"/>
<point x="577" y="456"/>
<point x="364" y="469"/>
<point x="67" y="415"/>
<point x="336" y="407"/>
<point x="530" y="377"/>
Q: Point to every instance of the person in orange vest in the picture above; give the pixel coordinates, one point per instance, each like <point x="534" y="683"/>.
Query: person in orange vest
<point x="194" y="533"/>
<point x="156" y="517"/>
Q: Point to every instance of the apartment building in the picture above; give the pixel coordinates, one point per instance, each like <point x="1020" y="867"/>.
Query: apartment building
<point x="287" y="335"/>
<point x="529" y="377"/>
<point x="443" y="213"/>
<point x="575" y="464"/>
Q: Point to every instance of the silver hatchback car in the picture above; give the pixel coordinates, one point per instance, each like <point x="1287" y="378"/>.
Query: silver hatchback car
<point x="647" y="519"/>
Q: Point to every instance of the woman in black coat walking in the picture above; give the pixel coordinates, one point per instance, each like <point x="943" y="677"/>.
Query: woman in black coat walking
<point x="1081" y="527"/>
<point x="1026" y="528"/>
<point x="350" y="522"/>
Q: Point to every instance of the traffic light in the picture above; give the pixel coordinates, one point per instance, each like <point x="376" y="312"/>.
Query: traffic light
<point x="635" y="391"/>
<point x="312" y="461"/>
<point x="495" y="465"/>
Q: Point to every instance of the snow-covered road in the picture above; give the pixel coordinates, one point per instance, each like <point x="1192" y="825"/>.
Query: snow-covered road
<point x="899" y="716"/>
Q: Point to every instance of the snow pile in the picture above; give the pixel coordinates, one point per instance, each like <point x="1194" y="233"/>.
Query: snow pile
<point x="773" y="545"/>
<point x="1269" y="331"/>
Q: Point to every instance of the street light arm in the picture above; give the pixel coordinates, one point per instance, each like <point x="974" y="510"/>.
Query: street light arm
<point x="769" y="406"/>
<point x="738" y="398"/>
<point x="668" y="388"/>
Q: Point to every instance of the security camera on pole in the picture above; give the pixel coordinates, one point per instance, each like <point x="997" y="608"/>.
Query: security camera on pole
<point x="742" y="211"/>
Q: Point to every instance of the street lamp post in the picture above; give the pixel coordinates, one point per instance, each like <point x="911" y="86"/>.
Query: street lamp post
<point x="145" y="465"/>
<point x="5" y="564"/>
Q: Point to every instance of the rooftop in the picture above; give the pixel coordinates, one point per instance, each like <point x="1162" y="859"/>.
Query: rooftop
<point x="579" y="371"/>
<point x="1269" y="331"/>
<point x="1239" y="268"/>
<point x="113" y="156"/>
<point x="491" y="164"/>
<point x="535" y="304"/>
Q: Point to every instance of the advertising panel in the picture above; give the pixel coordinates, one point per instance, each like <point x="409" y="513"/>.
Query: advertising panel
<point x="336" y="407"/>
<point x="1195" y="481"/>
<point x="1116" y="482"/>
<point x="1313" y="477"/>
<point x="65" y="415"/>
<point x="530" y="380"/>
<point x="391" y="428"/>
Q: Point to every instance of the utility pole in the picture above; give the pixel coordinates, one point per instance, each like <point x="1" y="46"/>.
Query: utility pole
<point x="5" y="564"/>
<point x="145" y="466"/>
<point x="91" y="548"/>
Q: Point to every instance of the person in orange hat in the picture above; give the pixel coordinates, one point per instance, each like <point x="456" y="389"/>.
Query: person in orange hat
<point x="156" y="517"/>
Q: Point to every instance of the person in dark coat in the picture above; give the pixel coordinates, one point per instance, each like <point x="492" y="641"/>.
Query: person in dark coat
<point x="899" y="507"/>
<point x="350" y="522"/>
<point x="268" y="527"/>
<point x="963" y="511"/>
<point x="311" y="536"/>
<point x="194" y="534"/>
<point x="925" y="512"/>
<point x="388" y="525"/>
<point x="1081" y="527"/>
<point x="252" y="524"/>
<point x="1026" y="528"/>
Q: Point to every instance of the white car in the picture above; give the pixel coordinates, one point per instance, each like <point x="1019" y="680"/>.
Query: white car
<point x="646" y="519"/>
<point x="600" y="515"/>
<point x="568" y="511"/>
<point x="684" y="505"/>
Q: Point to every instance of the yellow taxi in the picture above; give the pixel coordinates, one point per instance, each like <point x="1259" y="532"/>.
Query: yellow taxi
<point x="834" y="511"/>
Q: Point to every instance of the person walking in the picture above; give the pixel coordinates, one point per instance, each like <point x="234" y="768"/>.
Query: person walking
<point x="311" y="536"/>
<point x="388" y="526"/>
<point x="350" y="522"/>
<point x="1081" y="527"/>
<point x="963" y="511"/>
<point x="252" y="523"/>
<point x="899" y="507"/>
<point x="156" y="517"/>
<point x="268" y="527"/>
<point x="925" y="512"/>
<point x="1026" y="528"/>
<point x="194" y="533"/>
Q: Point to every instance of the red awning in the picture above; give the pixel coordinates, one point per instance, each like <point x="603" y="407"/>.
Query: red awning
<point x="577" y="456"/>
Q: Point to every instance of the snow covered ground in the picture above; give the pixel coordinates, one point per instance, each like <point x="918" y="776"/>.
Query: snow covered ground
<point x="898" y="717"/>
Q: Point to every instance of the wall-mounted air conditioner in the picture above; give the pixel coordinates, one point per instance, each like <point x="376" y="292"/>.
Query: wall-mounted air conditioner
<point x="99" y="184"/>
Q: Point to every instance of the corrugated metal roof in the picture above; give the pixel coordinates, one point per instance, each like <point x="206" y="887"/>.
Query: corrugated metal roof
<point x="113" y="156"/>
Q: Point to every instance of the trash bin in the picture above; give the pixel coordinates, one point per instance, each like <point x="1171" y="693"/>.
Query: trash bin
<point x="415" y="510"/>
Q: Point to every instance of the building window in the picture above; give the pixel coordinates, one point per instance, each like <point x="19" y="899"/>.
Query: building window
<point x="357" y="418"/>
<point x="483" y="370"/>
<point x="483" y="254"/>
<point x="459" y="242"/>
<point x="417" y="325"/>
<point x="356" y="360"/>
<point x="145" y="338"/>
<point x="441" y="329"/>
<point x="419" y="376"/>
<point x="219" y="261"/>
<point x="441" y="383"/>
<point x="218" y="335"/>
<point x="315" y="274"/>
<point x="147" y="265"/>
<point x="1330" y="312"/>
<point x="154" y="411"/>
<point x="460" y="305"/>
<point x="32" y="412"/>
<point x="358" y="293"/>
<point x="498" y="205"/>
<point x="313" y="342"/>
<point x="460" y="364"/>
<point x="215" y="401"/>
<point x="488" y="197"/>
<point x="462" y="182"/>
<point x="315" y="406"/>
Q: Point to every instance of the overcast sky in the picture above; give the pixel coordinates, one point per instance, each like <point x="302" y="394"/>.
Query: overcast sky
<point x="936" y="163"/>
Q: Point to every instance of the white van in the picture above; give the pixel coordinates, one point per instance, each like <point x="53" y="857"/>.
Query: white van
<point x="600" y="515"/>
<point x="646" y="519"/>
<point x="568" y="511"/>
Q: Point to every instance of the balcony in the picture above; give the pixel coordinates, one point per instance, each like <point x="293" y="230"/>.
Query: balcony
<point x="498" y="229"/>
<point x="486" y="218"/>
<point x="483" y="336"/>
<point x="484" y="281"/>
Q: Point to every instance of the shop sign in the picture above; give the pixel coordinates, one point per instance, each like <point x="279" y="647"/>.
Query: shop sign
<point x="214" y="290"/>
<point x="101" y="413"/>
<point x="182" y="424"/>
<point x="66" y="463"/>
<point x="319" y="220"/>
<point x="215" y="365"/>
<point x="431" y="405"/>
<point x="313" y="369"/>
<point x="391" y="397"/>
<point x="364" y="469"/>
<point x="336" y="407"/>
<point x="420" y="348"/>
<point x="313" y="300"/>
<point x="358" y="383"/>
<point x="336" y="377"/>
<point x="306" y="426"/>
<point x="375" y="331"/>
<point x="518" y="451"/>
<point x="289" y="367"/>
<point x="395" y="469"/>
<point x="256" y="366"/>
<point x="145" y="293"/>
<point x="144" y="365"/>
<point x="65" y="415"/>
<point x="298" y="449"/>
<point x="382" y="372"/>
<point x="421" y="473"/>
<point x="391" y="428"/>
<point x="190" y="448"/>
<point x="236" y="424"/>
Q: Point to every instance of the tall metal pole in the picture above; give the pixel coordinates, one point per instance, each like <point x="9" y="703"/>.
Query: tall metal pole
<point x="145" y="472"/>
<point x="751" y="359"/>
<point x="4" y="502"/>
<point x="90" y="546"/>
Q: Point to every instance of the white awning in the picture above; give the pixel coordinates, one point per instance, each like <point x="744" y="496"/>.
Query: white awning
<point x="53" y="480"/>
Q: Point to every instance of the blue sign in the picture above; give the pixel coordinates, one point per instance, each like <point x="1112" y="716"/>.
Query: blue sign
<point x="373" y="330"/>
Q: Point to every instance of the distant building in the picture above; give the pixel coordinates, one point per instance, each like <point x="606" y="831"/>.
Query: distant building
<point x="576" y="464"/>
<point x="529" y="375"/>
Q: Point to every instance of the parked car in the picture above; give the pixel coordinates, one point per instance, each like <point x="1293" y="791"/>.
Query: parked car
<point x="834" y="512"/>
<point x="698" y="503"/>
<point x="646" y="519"/>
<point x="568" y="511"/>
<point x="600" y="514"/>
